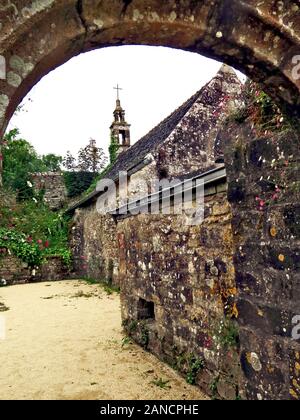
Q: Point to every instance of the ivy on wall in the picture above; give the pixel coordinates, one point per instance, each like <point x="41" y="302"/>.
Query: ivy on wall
<point x="113" y="150"/>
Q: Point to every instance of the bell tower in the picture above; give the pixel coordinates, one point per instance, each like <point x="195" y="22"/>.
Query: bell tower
<point x="120" y="129"/>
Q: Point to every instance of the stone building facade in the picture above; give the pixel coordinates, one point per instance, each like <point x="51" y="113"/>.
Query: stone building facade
<point x="177" y="289"/>
<point x="218" y="301"/>
<point x="176" y="284"/>
<point x="261" y="39"/>
<point x="177" y="148"/>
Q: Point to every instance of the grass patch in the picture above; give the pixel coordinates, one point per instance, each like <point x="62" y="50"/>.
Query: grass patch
<point x="161" y="383"/>
<point x="81" y="294"/>
<point x="3" y="308"/>
<point x="108" y="288"/>
<point x="126" y="341"/>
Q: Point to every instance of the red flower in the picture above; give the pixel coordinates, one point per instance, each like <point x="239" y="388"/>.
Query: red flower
<point x="46" y="244"/>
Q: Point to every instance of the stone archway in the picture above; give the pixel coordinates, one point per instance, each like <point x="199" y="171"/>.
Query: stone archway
<point x="260" y="38"/>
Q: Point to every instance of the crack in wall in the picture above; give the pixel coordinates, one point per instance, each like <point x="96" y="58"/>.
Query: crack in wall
<point x="125" y="7"/>
<point x="79" y="9"/>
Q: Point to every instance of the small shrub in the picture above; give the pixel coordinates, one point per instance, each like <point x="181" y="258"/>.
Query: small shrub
<point x="214" y="386"/>
<point x="227" y="334"/>
<point x="18" y="244"/>
<point x="132" y="326"/>
<point x="195" y="365"/>
<point x="78" y="182"/>
<point x="161" y="383"/>
<point x="126" y="341"/>
<point x="144" y="335"/>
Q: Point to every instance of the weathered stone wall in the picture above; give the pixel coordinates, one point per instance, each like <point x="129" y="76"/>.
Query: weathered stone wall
<point x="264" y="190"/>
<point x="95" y="247"/>
<point x="140" y="183"/>
<point x="53" y="187"/>
<point x="177" y="286"/>
<point x="191" y="146"/>
<point x="260" y="38"/>
<point x="14" y="271"/>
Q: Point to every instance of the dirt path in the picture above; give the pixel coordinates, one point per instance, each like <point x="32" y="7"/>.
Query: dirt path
<point x="64" y="341"/>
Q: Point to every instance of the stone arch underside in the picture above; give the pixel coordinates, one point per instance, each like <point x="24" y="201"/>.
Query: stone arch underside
<point x="258" y="38"/>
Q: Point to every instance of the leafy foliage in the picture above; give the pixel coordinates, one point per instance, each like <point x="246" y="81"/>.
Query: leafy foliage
<point x="69" y="161"/>
<point x="195" y="364"/>
<point x="20" y="160"/>
<point x="161" y="383"/>
<point x="32" y="232"/>
<point x="51" y="163"/>
<point x="262" y="111"/>
<point x="21" y="247"/>
<point x="83" y="174"/>
<point x="227" y="334"/>
<point x="113" y="150"/>
<point x="91" y="158"/>
<point x="78" y="182"/>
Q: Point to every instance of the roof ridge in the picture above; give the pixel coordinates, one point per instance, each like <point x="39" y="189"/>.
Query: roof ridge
<point x="150" y="141"/>
<point x="182" y="106"/>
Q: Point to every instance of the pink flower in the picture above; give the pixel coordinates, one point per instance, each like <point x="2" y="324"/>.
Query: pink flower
<point x="40" y="242"/>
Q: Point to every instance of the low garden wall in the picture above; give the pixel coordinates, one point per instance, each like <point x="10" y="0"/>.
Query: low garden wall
<point x="14" y="271"/>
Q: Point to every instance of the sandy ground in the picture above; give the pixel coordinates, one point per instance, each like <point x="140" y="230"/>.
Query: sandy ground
<point x="62" y="345"/>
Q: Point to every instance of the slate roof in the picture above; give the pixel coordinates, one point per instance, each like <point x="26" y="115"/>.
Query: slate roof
<point x="161" y="132"/>
<point x="150" y="141"/>
<point x="136" y="154"/>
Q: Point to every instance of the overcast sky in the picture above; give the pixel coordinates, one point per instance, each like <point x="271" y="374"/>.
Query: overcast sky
<point x="76" y="101"/>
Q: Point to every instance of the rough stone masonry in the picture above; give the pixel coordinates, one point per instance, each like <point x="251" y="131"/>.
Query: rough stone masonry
<point x="261" y="38"/>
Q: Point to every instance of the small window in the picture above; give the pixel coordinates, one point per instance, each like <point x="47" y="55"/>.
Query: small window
<point x="146" y="310"/>
<point x="122" y="137"/>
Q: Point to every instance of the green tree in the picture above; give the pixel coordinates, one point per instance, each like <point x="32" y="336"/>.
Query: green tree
<point x="19" y="161"/>
<point x="69" y="161"/>
<point x="91" y="158"/>
<point x="51" y="162"/>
